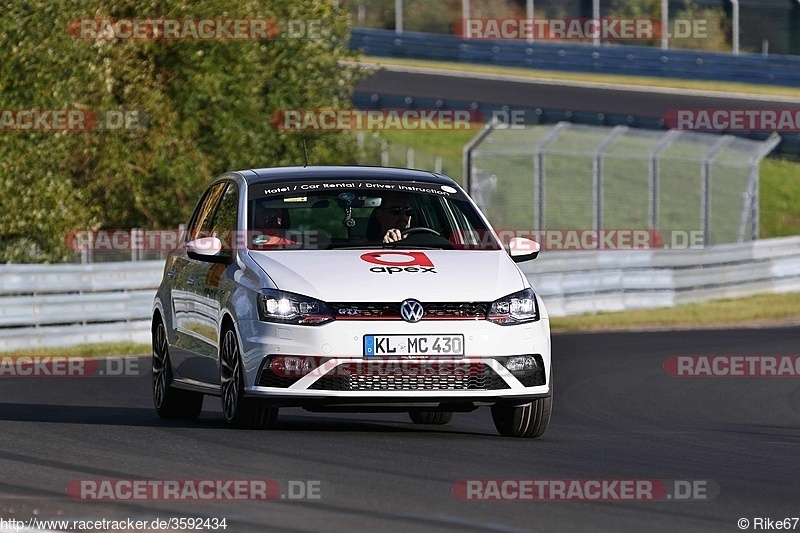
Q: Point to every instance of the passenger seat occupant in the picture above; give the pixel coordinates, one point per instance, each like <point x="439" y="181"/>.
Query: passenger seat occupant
<point x="270" y="227"/>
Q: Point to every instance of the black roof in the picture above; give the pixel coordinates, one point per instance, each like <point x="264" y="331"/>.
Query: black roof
<point x="265" y="175"/>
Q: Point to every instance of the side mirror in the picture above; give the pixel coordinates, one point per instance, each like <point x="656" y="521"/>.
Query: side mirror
<point x="521" y="249"/>
<point x="208" y="249"/>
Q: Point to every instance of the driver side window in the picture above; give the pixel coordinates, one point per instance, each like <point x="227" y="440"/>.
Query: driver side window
<point x="200" y="225"/>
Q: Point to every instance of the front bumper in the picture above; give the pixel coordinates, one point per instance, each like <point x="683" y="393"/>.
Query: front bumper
<point x="339" y="345"/>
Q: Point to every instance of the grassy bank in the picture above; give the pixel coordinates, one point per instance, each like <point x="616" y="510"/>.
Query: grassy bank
<point x="763" y="310"/>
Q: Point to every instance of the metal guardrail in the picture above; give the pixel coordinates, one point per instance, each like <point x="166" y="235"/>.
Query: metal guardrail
<point x="584" y="282"/>
<point x="572" y="57"/>
<point x="60" y="305"/>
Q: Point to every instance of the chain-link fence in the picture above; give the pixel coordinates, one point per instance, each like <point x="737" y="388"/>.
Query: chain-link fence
<point x="376" y="151"/>
<point x="569" y="176"/>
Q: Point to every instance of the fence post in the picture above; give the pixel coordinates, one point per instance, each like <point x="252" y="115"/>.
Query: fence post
<point x="597" y="170"/>
<point x="706" y="183"/>
<point x="538" y="151"/>
<point x="748" y="210"/>
<point x="384" y="153"/>
<point x="529" y="14"/>
<point x="437" y="164"/>
<point x="410" y="157"/>
<point x="466" y="178"/>
<point x="398" y="17"/>
<point x="769" y="145"/>
<point x="735" y="27"/>
<point x="655" y="154"/>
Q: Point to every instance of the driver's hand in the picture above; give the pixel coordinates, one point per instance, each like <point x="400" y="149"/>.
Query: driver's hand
<point x="393" y="235"/>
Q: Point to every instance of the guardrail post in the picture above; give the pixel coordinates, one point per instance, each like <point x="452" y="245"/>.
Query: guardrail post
<point x="384" y="153"/>
<point x="410" y="157"/>
<point x="133" y="239"/>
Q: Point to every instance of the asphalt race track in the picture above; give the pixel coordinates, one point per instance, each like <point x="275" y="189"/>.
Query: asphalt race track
<point x="617" y="415"/>
<point x="529" y="93"/>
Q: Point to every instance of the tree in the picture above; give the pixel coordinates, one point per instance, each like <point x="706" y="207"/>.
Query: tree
<point x="204" y="107"/>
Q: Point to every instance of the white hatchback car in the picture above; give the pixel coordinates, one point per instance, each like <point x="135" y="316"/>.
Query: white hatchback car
<point x="349" y="289"/>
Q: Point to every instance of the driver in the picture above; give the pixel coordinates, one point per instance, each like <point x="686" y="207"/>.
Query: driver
<point x="394" y="215"/>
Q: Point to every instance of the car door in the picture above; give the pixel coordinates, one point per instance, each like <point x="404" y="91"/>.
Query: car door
<point x="185" y="273"/>
<point x="211" y="283"/>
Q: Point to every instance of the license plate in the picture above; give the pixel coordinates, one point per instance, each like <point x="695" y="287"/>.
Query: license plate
<point x="388" y="345"/>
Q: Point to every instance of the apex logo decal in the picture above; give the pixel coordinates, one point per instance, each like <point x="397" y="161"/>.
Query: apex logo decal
<point x="395" y="262"/>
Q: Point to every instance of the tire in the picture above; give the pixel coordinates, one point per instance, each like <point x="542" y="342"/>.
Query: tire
<point x="437" y="418"/>
<point x="170" y="402"/>
<point x="240" y="412"/>
<point x="526" y="421"/>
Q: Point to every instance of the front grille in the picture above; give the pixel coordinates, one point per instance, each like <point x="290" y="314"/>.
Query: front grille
<point x="479" y="377"/>
<point x="391" y="311"/>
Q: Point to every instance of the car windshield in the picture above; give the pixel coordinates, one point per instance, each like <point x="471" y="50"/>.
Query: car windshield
<point x="340" y="214"/>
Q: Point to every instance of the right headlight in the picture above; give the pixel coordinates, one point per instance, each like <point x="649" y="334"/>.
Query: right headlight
<point x="290" y="308"/>
<point x="514" y="309"/>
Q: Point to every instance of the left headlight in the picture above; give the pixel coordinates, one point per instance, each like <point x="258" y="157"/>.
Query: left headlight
<point x="514" y="309"/>
<point x="290" y="308"/>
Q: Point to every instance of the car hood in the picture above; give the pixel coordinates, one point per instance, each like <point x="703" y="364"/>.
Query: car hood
<point x="393" y="275"/>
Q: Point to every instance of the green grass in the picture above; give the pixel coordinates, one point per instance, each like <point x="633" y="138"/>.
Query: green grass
<point x="638" y="81"/>
<point x="780" y="198"/>
<point x="84" y="350"/>
<point x="756" y="310"/>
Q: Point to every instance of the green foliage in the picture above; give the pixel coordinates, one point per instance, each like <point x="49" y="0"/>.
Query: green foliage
<point x="779" y="198"/>
<point x="430" y="16"/>
<point x="209" y="105"/>
<point x="716" y="26"/>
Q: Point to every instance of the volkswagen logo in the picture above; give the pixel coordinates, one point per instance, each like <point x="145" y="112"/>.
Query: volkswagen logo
<point x="411" y="310"/>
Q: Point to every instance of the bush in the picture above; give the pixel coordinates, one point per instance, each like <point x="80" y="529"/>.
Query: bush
<point x="209" y="105"/>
